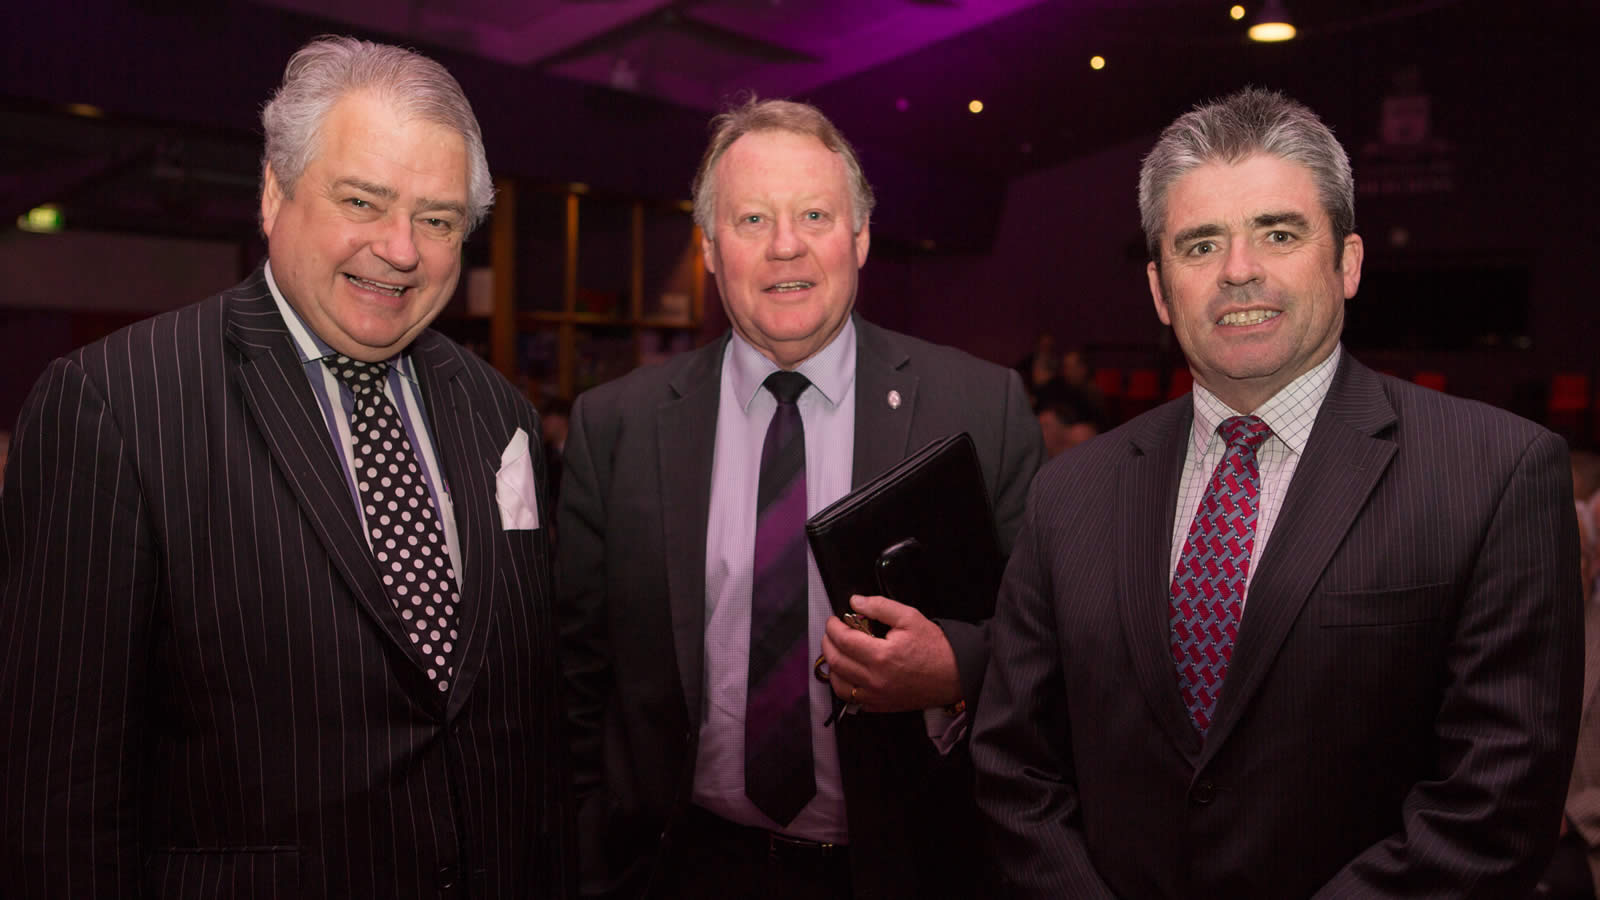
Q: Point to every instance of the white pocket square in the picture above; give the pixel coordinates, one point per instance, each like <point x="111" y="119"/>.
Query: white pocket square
<point x="515" y="486"/>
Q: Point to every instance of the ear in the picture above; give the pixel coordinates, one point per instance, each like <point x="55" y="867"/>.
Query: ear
<point x="1350" y="264"/>
<point x="863" y="242"/>
<point x="271" y="200"/>
<point x="708" y="253"/>
<point x="1157" y="295"/>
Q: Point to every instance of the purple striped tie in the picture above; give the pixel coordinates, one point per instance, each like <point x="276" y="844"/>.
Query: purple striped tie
<point x="1208" y="586"/>
<point x="778" y="774"/>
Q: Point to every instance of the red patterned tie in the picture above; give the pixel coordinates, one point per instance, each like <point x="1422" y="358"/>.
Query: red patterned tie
<point x="1208" y="586"/>
<point x="779" y="777"/>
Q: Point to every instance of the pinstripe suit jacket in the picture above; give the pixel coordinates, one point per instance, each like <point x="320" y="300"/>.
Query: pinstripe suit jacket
<point x="634" y="508"/>
<point x="1399" y="715"/>
<point x="205" y="691"/>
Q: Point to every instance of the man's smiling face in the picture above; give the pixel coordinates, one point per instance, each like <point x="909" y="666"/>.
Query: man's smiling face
<point x="1250" y="279"/>
<point x="783" y="251"/>
<point x="368" y="248"/>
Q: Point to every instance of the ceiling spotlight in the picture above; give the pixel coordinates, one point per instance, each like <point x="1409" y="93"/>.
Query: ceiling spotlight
<point x="902" y="104"/>
<point x="1097" y="62"/>
<point x="1236" y="13"/>
<point x="1271" y="24"/>
<point x="975" y="106"/>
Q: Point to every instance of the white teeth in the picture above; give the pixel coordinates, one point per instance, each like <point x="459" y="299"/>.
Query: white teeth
<point x="790" y="286"/>
<point x="1248" y="317"/>
<point x="391" y="290"/>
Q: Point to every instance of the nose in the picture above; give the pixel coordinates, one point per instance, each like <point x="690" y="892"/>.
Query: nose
<point x="396" y="243"/>
<point x="1241" y="265"/>
<point x="786" y="242"/>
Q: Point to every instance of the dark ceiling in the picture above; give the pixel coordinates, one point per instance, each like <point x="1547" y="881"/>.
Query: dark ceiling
<point x="616" y="93"/>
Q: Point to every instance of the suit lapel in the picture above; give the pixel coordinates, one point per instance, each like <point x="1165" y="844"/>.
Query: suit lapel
<point x="686" y="439"/>
<point x="1147" y="482"/>
<point x="1344" y="460"/>
<point x="882" y="429"/>
<point x="469" y="457"/>
<point x="277" y="396"/>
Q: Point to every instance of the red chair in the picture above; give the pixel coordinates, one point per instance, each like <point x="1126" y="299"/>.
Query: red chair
<point x="1144" y="392"/>
<point x="1434" y="380"/>
<point x="1109" y="381"/>
<point x="1569" y="404"/>
<point x="1182" y="383"/>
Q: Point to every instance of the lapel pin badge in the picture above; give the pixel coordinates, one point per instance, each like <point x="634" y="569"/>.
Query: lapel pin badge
<point x="894" y="399"/>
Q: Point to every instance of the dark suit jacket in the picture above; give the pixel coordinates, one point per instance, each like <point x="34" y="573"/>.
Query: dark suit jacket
<point x="633" y="517"/>
<point x="205" y="691"/>
<point x="1398" y="718"/>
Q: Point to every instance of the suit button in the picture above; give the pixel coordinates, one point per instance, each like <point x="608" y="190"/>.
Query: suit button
<point x="447" y="877"/>
<point x="1203" y="793"/>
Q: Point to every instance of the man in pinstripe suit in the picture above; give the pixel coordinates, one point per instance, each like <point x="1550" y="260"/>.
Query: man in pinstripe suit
<point x="1311" y="631"/>
<point x="274" y="619"/>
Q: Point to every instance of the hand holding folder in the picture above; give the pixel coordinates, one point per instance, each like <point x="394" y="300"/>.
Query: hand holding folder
<point x="922" y="534"/>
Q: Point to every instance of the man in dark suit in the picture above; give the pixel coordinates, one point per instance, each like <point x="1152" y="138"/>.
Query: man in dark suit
<point x="275" y="612"/>
<point x="1309" y="631"/>
<point x="689" y="610"/>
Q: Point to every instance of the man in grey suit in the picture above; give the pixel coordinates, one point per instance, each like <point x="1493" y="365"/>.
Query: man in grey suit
<point x="1311" y="631"/>
<point x="690" y="612"/>
<point x="274" y="594"/>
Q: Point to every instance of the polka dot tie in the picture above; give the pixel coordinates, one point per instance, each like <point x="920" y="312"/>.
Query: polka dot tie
<point x="404" y="531"/>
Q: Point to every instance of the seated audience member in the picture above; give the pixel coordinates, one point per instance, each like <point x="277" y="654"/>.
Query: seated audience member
<point x="1063" y="423"/>
<point x="1041" y="370"/>
<point x="1585" y="474"/>
<point x="553" y="422"/>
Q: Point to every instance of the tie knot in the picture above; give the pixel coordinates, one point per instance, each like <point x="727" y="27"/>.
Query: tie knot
<point x="1244" y="431"/>
<point x="360" y="377"/>
<point x="786" y="386"/>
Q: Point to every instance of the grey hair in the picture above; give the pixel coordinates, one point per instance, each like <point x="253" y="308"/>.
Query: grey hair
<point x="1248" y="122"/>
<point x="324" y="71"/>
<point x="775" y="115"/>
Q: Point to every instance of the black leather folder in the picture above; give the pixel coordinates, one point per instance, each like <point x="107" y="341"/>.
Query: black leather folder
<point x="922" y="533"/>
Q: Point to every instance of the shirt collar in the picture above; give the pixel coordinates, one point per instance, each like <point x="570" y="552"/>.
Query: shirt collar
<point x="831" y="370"/>
<point x="1290" y="412"/>
<point x="312" y="348"/>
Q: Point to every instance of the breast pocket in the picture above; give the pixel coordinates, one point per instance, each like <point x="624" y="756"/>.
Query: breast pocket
<point x="1381" y="608"/>
<point x="237" y="873"/>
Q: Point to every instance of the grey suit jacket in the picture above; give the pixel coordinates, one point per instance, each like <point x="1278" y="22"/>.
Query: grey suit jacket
<point x="634" y="505"/>
<point x="204" y="689"/>
<point x="1399" y="714"/>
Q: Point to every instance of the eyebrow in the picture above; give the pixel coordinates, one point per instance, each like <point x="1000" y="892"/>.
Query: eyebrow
<point x="383" y="192"/>
<point x="1267" y="220"/>
<point x="1193" y="234"/>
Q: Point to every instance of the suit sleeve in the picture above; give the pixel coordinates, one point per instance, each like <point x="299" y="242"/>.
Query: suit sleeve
<point x="581" y="614"/>
<point x="1507" y="722"/>
<point x="1021" y="450"/>
<point x="1022" y="741"/>
<point x="80" y="577"/>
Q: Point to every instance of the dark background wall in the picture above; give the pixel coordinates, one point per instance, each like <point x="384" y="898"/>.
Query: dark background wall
<point x="1479" y="232"/>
